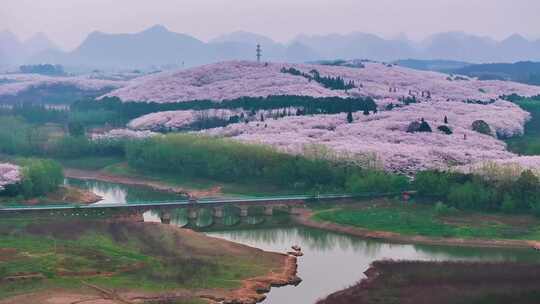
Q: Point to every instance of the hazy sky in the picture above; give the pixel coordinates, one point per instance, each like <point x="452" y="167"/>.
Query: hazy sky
<point x="67" y="22"/>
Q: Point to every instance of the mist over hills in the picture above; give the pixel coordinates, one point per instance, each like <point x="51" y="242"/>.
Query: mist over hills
<point x="158" y="46"/>
<point x="14" y="51"/>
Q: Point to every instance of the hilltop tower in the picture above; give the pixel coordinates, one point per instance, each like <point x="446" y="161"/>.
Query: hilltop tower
<point x="259" y="53"/>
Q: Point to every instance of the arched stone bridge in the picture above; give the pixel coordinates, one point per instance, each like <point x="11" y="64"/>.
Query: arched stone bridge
<point x="269" y="203"/>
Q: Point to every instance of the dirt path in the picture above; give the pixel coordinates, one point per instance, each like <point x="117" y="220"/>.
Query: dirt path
<point x="304" y="217"/>
<point x="133" y="181"/>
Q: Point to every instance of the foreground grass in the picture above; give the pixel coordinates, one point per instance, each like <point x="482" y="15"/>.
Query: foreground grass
<point x="411" y="282"/>
<point x="416" y="219"/>
<point x="135" y="256"/>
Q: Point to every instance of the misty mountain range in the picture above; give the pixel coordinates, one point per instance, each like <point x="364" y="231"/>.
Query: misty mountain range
<point x="157" y="46"/>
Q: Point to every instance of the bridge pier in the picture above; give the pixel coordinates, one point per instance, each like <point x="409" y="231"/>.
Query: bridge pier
<point x="268" y="210"/>
<point x="243" y="210"/>
<point x="193" y="213"/>
<point x="165" y="217"/>
<point x="218" y="212"/>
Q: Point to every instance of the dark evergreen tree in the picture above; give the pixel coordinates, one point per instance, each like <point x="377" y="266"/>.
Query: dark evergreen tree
<point x="349" y="117"/>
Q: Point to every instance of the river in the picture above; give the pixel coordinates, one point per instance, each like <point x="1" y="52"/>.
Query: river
<point x="331" y="261"/>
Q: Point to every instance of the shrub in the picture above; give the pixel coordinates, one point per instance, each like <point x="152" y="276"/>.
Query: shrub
<point x="433" y="183"/>
<point x="470" y="195"/>
<point x="445" y="129"/>
<point x="376" y="182"/>
<point x="413" y="127"/>
<point x="40" y="176"/>
<point x="442" y="209"/>
<point x="416" y="126"/>
<point x="509" y="204"/>
<point x="424" y="127"/>
<point x="482" y="127"/>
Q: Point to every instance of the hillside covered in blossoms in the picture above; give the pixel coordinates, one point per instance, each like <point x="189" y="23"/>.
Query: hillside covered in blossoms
<point x="384" y="82"/>
<point x="449" y="104"/>
<point x="16" y="88"/>
<point x="9" y="174"/>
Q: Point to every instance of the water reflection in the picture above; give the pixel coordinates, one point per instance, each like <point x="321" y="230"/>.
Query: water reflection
<point x="122" y="194"/>
<point x="333" y="261"/>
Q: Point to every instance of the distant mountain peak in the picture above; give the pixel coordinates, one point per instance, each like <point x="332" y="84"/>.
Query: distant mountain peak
<point x="516" y="38"/>
<point x="39" y="42"/>
<point x="157" y="28"/>
<point x="8" y="35"/>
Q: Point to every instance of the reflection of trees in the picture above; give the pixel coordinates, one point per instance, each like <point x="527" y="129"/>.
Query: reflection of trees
<point x="483" y="254"/>
<point x="118" y="193"/>
<point x="326" y="241"/>
<point x="313" y="239"/>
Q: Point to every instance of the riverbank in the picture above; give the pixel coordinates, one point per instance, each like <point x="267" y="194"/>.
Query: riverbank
<point x="64" y="195"/>
<point x="104" y="176"/>
<point x="94" y="261"/>
<point x="311" y="218"/>
<point x="443" y="282"/>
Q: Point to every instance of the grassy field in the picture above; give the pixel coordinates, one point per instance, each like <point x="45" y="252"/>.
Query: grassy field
<point x="123" y="256"/>
<point x="417" y="219"/>
<point x="411" y="282"/>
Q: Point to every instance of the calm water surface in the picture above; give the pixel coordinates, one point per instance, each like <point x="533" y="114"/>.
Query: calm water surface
<point x="331" y="262"/>
<point x="122" y="194"/>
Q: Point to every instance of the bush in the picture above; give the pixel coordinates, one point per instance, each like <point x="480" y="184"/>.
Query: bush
<point x="442" y="209"/>
<point x="416" y="126"/>
<point x="376" y="182"/>
<point x="535" y="205"/>
<point x="508" y="205"/>
<point x="39" y="177"/>
<point x="433" y="183"/>
<point x="471" y="195"/>
<point x="445" y="129"/>
<point x="424" y="127"/>
<point x="482" y="127"/>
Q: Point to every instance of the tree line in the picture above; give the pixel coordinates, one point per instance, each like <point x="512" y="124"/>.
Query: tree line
<point x="329" y="82"/>
<point x="125" y="111"/>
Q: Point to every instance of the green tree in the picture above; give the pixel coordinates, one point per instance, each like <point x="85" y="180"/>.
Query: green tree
<point x="76" y="129"/>
<point x="349" y="117"/>
<point x="526" y="186"/>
